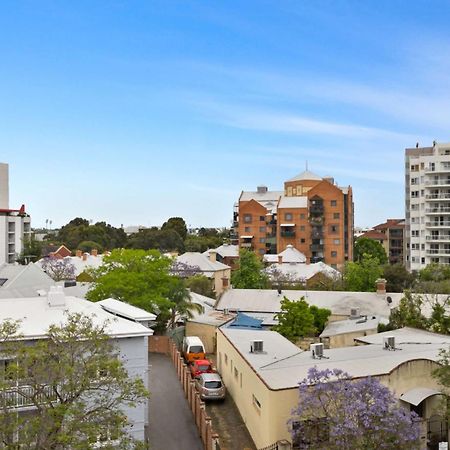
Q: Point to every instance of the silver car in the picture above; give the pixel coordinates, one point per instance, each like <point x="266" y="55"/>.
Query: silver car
<point x="210" y="386"/>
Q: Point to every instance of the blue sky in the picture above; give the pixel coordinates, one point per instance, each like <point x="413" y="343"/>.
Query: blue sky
<point x="136" y="111"/>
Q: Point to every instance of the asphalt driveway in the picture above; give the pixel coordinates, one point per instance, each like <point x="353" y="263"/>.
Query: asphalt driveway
<point x="172" y="425"/>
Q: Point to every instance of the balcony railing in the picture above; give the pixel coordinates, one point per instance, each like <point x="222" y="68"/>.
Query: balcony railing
<point x="438" y="182"/>
<point x="438" y="224"/>
<point x="441" y="237"/>
<point x="435" y="251"/>
<point x="443" y="196"/>
<point x="247" y="245"/>
<point x="316" y="220"/>
<point x="316" y="247"/>
<point x="444" y="210"/>
<point x="26" y="396"/>
<point x="288" y="234"/>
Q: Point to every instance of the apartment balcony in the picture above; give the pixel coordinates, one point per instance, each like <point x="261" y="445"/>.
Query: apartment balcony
<point x="27" y="396"/>
<point x="271" y="239"/>
<point x="316" y="247"/>
<point x="316" y="220"/>
<point x="437" y="197"/>
<point x="316" y="209"/>
<point x="287" y="233"/>
<point x="438" y="252"/>
<point x="438" y="183"/>
<point x="445" y="224"/>
<point x="442" y="210"/>
<point x="247" y="245"/>
<point x="317" y="235"/>
<point x="316" y="259"/>
<point x="441" y="237"/>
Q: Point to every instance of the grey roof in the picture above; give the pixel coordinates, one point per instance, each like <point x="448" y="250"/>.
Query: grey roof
<point x="293" y="202"/>
<point x="407" y="335"/>
<point x="306" y="175"/>
<point x="282" y="365"/>
<point x="23" y="281"/>
<point x="35" y="316"/>
<point x="213" y="318"/>
<point x="126" y="310"/>
<point x="352" y="326"/>
<point x="339" y="302"/>
<point x="197" y="259"/>
<point x="225" y="250"/>
<point x="289" y="255"/>
<point x="267" y="199"/>
<point x="301" y="271"/>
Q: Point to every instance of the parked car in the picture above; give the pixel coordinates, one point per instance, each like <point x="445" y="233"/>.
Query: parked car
<point x="193" y="349"/>
<point x="210" y="386"/>
<point x="200" y="366"/>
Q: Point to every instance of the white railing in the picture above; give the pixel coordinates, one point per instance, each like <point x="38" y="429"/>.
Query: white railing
<point x="437" y="210"/>
<point x="438" y="238"/>
<point x="437" y="196"/>
<point x="438" y="224"/>
<point x="23" y="396"/>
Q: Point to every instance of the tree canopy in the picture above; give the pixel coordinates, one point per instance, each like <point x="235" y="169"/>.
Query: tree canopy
<point x="361" y="276"/>
<point x="177" y="224"/>
<point x="365" y="246"/>
<point x="338" y="413"/>
<point x="74" y="381"/>
<point x="58" y="269"/>
<point x="249" y="275"/>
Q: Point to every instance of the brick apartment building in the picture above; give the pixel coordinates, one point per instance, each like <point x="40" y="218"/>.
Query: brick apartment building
<point x="312" y="214"/>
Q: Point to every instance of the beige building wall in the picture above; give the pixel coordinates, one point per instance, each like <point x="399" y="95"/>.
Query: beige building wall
<point x="207" y="334"/>
<point x="267" y="422"/>
<point x="219" y="276"/>
<point x="346" y="339"/>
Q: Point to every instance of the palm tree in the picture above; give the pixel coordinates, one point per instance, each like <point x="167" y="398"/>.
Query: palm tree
<point x="181" y="304"/>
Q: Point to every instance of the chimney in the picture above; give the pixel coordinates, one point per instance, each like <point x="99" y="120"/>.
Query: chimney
<point x="261" y="189"/>
<point x="212" y="256"/>
<point x="381" y="286"/>
<point x="85" y="255"/>
<point x="78" y="253"/>
<point x="94" y="252"/>
<point x="56" y="296"/>
<point x="280" y="259"/>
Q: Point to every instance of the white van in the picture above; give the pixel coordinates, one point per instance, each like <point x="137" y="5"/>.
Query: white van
<point x="193" y="348"/>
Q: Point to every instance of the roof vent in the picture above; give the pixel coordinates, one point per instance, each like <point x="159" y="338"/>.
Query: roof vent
<point x="389" y="343"/>
<point x="354" y="313"/>
<point x="226" y="311"/>
<point x="389" y="299"/>
<point x="316" y="350"/>
<point x="261" y="189"/>
<point x="56" y="296"/>
<point x="256" y="346"/>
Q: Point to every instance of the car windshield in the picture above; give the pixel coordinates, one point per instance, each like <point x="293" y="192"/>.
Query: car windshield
<point x="213" y="384"/>
<point x="203" y="368"/>
<point x="196" y="349"/>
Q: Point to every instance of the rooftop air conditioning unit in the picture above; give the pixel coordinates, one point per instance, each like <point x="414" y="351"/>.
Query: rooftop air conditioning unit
<point x="316" y="350"/>
<point x="256" y="346"/>
<point x="389" y="343"/>
<point x="226" y="311"/>
<point x="354" y="313"/>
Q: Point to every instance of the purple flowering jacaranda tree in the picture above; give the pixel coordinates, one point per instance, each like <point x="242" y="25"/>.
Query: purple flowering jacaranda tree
<point x="336" y="412"/>
<point x="58" y="268"/>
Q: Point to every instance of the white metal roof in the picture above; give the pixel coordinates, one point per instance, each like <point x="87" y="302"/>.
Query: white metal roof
<point x="225" y="250"/>
<point x="352" y="325"/>
<point x="197" y="259"/>
<point x="126" y="310"/>
<point x="293" y="202"/>
<point x="287" y="224"/>
<point x="289" y="255"/>
<point x="339" y="302"/>
<point x="415" y="396"/>
<point x="406" y="335"/>
<point x="35" y="316"/>
<point x="283" y="365"/>
<point x="306" y="175"/>
<point x="302" y="271"/>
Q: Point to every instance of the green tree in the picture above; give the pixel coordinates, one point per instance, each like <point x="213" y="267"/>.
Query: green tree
<point x="138" y="277"/>
<point x="295" y="320"/>
<point x="361" y="276"/>
<point x="320" y="317"/>
<point x="76" y="385"/>
<point x="88" y="246"/>
<point x="250" y="273"/>
<point x="397" y="277"/>
<point x="409" y="312"/>
<point x="200" y="244"/>
<point x="166" y="240"/>
<point x="365" y="246"/>
<point x="32" y="251"/>
<point x="442" y="374"/>
<point x="181" y="306"/>
<point x="200" y="285"/>
<point x="177" y="224"/>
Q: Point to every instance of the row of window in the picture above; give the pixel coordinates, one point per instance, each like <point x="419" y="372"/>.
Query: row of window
<point x="288" y="216"/>
<point x="332" y="229"/>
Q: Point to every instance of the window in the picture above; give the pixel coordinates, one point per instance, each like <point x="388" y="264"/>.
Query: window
<point x="414" y="194"/>
<point x="334" y="254"/>
<point x="256" y="401"/>
<point x="262" y="218"/>
<point x="414" y="180"/>
<point x="288" y="216"/>
<point x="334" y="228"/>
<point x="337" y="242"/>
<point x="247" y="218"/>
<point x="302" y="216"/>
<point x="302" y="228"/>
<point x="247" y="229"/>
<point x="423" y="260"/>
<point x="262" y="229"/>
<point x="415" y="233"/>
<point x="262" y="240"/>
<point x="333" y="202"/>
<point x="226" y="359"/>
<point x="302" y="240"/>
<point x="236" y="373"/>
<point x="262" y="251"/>
<point x="336" y="215"/>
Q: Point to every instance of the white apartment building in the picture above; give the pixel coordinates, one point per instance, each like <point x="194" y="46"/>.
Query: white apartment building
<point x="427" y="203"/>
<point x="15" y="224"/>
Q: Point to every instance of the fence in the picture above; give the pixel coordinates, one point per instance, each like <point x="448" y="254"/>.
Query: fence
<point x="280" y="445"/>
<point x="202" y="420"/>
<point x="159" y="344"/>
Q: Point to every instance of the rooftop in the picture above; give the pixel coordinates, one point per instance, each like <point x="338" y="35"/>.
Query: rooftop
<point x="352" y="325"/>
<point x="301" y="271"/>
<point x="196" y="259"/>
<point x="126" y="310"/>
<point x="289" y="255"/>
<point x="306" y="175"/>
<point x="225" y="251"/>
<point x="293" y="202"/>
<point x="282" y="365"/>
<point x="406" y="335"/>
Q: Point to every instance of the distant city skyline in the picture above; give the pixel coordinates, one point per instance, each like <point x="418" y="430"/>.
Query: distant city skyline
<point x="132" y="113"/>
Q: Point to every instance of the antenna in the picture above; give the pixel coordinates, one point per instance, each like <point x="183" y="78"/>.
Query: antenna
<point x="306" y="165"/>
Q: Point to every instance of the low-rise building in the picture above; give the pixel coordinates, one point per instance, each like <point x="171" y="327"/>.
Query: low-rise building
<point x="264" y="383"/>
<point x="37" y="314"/>
<point x="220" y="274"/>
<point x="227" y="254"/>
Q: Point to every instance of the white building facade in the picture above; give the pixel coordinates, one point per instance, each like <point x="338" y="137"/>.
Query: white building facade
<point x="427" y="206"/>
<point x="15" y="224"/>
